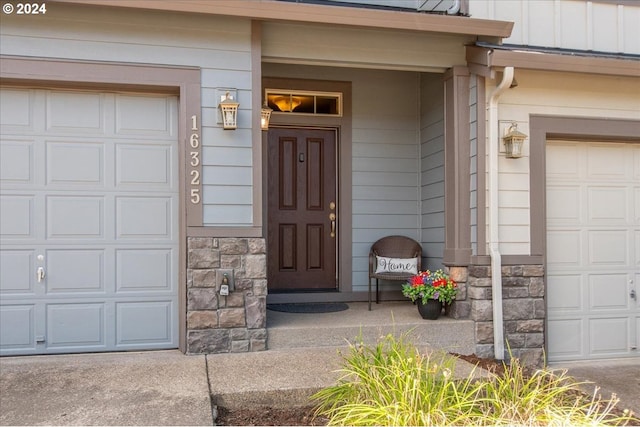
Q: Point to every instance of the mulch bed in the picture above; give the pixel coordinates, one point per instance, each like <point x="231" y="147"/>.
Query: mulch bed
<point x="269" y="417"/>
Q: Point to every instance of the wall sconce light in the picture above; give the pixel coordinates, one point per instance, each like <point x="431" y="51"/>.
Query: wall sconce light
<point x="513" y="141"/>
<point x="229" y="109"/>
<point x="265" y="116"/>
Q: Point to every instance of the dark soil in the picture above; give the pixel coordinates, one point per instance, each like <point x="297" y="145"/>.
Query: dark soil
<point x="269" y="417"/>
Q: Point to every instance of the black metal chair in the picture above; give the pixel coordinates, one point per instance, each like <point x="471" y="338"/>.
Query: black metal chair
<point x="392" y="247"/>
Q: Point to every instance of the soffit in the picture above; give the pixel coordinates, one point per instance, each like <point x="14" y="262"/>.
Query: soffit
<point x="340" y="46"/>
<point x="312" y="13"/>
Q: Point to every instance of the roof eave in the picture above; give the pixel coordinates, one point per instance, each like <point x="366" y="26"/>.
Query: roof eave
<point x="321" y="14"/>
<point x="485" y="61"/>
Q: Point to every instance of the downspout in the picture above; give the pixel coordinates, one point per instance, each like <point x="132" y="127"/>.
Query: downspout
<point x="454" y="9"/>
<point x="494" y="241"/>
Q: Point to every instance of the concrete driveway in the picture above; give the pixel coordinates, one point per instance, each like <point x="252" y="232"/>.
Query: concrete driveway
<point x="150" y="388"/>
<point x="615" y="376"/>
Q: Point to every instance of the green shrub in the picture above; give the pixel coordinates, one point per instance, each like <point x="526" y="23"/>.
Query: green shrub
<point x="394" y="384"/>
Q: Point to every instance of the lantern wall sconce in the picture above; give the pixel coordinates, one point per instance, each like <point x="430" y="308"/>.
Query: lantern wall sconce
<point x="229" y="111"/>
<point x="514" y="141"/>
<point x="265" y="116"/>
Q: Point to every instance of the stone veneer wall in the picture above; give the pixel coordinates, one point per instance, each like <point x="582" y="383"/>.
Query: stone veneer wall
<point x="523" y="308"/>
<point x="226" y="324"/>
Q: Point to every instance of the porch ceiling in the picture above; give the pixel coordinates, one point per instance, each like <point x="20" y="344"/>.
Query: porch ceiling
<point x="340" y="15"/>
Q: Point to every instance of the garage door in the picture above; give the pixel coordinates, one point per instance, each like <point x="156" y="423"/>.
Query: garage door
<point x="88" y="222"/>
<point x="593" y="250"/>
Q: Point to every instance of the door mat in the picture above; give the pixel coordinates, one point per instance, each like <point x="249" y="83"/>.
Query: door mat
<point x="315" y="307"/>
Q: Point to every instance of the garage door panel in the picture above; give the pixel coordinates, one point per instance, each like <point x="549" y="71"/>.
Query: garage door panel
<point x="73" y="271"/>
<point x="637" y="253"/>
<point x="16" y="110"/>
<point x="608" y="247"/>
<point x="600" y="157"/>
<point x="143" y="269"/>
<point x="564" y="248"/>
<point x="78" y="163"/>
<point x="17" y="272"/>
<point x="564" y="205"/>
<point x="17" y="161"/>
<point x="149" y="217"/>
<point x="75" y="112"/>
<point x="17" y="328"/>
<point x="145" y="115"/>
<point x="607" y="204"/>
<point x="565" y="338"/>
<point x="75" y="325"/>
<point x="148" y="322"/>
<point x="17" y="217"/>
<point x="157" y="161"/>
<point x="562" y="161"/>
<point x="565" y="293"/>
<point x="75" y="217"/>
<point x="609" y="337"/>
<point x="608" y="292"/>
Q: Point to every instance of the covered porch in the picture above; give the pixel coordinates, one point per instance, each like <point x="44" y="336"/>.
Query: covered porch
<point x="358" y="324"/>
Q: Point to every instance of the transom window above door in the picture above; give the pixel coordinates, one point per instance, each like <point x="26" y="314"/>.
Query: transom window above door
<point x="304" y="102"/>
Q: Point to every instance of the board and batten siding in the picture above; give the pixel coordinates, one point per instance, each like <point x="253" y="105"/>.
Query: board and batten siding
<point x="221" y="47"/>
<point x="569" y="24"/>
<point x="561" y="94"/>
<point x="432" y="186"/>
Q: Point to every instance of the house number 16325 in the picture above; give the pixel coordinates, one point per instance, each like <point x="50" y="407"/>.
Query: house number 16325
<point x="194" y="162"/>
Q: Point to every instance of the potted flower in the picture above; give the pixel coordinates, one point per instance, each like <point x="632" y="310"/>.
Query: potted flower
<point x="430" y="290"/>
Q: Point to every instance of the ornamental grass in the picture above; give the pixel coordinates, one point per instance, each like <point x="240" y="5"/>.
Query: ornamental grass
<point x="395" y="384"/>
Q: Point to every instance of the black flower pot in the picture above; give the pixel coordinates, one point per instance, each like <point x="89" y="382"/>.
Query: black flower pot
<point x="431" y="310"/>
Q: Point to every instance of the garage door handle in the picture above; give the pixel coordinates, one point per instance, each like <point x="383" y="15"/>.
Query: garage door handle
<point x="40" y="274"/>
<point x="632" y="294"/>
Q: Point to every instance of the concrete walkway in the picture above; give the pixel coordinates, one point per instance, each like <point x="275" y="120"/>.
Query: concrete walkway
<point x="169" y="388"/>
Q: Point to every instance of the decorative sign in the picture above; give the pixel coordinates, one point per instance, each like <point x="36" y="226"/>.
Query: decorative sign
<point x="396" y="265"/>
<point x="194" y="162"/>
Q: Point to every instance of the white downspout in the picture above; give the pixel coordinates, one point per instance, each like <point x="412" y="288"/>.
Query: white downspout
<point x="494" y="241"/>
<point x="453" y="10"/>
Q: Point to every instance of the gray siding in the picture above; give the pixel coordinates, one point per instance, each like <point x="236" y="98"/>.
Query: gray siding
<point x="432" y="168"/>
<point x="221" y="47"/>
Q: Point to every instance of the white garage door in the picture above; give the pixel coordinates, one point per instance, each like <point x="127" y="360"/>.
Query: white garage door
<point x="88" y="221"/>
<point x="593" y="250"/>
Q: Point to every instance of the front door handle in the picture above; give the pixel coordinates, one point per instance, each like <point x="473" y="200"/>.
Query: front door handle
<point x="40" y="274"/>
<point x="332" y="218"/>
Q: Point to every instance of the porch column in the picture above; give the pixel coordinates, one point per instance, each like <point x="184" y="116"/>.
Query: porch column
<point x="457" y="167"/>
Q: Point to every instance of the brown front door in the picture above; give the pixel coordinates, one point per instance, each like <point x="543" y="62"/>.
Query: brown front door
<point x="302" y="209"/>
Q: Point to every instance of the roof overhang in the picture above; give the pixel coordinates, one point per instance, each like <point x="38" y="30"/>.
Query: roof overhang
<point x="485" y="60"/>
<point x="314" y="13"/>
